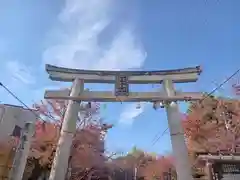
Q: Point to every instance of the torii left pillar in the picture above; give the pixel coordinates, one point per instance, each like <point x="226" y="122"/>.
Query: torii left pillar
<point x="60" y="163"/>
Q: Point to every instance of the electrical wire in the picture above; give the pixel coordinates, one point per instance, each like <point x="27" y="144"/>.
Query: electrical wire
<point x="160" y="135"/>
<point x="19" y="100"/>
<point x="25" y="105"/>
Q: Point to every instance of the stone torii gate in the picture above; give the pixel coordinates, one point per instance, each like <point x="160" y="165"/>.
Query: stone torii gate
<point x="122" y="79"/>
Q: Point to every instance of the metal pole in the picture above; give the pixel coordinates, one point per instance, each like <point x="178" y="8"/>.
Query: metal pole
<point x="60" y="163"/>
<point x="179" y="147"/>
<point x="22" y="152"/>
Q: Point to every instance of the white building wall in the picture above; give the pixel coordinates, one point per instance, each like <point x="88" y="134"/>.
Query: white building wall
<point x="10" y="116"/>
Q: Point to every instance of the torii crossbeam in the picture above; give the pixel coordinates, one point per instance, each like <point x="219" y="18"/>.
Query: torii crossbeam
<point x="122" y="79"/>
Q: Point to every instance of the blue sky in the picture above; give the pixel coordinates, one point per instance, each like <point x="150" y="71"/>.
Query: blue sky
<point x="118" y="35"/>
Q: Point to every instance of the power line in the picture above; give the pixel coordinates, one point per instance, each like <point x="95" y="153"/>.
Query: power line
<point x="25" y="105"/>
<point x="19" y="100"/>
<point x="209" y="94"/>
<point x="158" y="137"/>
<point x="12" y="94"/>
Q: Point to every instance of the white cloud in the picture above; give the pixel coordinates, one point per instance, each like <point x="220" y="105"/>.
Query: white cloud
<point x="78" y="44"/>
<point x="130" y="112"/>
<point x="123" y="54"/>
<point x="19" y="72"/>
<point x="17" y="77"/>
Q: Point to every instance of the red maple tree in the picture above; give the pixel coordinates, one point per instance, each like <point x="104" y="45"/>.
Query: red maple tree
<point x="212" y="125"/>
<point x="88" y="143"/>
<point x="148" y="166"/>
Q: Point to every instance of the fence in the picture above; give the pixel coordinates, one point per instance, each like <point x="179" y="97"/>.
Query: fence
<point x="226" y="170"/>
<point x="221" y="166"/>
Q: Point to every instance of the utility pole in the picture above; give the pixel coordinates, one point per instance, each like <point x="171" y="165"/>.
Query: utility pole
<point x="122" y="79"/>
<point x="60" y="163"/>
<point x="22" y="152"/>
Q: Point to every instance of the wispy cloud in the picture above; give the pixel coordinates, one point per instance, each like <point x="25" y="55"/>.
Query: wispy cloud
<point x="123" y="54"/>
<point x="131" y="112"/>
<point x="17" y="77"/>
<point x="79" y="44"/>
<point x="19" y="72"/>
<point x="84" y="40"/>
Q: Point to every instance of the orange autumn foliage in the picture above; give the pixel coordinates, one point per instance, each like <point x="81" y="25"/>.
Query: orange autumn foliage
<point x="148" y="166"/>
<point x="213" y="125"/>
<point x="88" y="143"/>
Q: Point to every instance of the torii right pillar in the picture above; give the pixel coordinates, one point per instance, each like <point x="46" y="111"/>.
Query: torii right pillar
<point x="180" y="151"/>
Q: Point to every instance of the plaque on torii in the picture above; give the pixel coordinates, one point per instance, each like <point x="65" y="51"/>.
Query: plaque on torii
<point x="122" y="79"/>
<point x="121" y="85"/>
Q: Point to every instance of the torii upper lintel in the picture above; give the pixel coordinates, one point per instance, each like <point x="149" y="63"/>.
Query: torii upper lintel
<point x="183" y="75"/>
